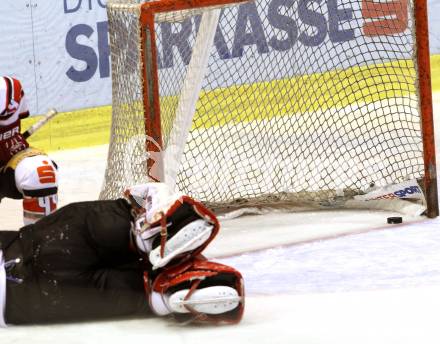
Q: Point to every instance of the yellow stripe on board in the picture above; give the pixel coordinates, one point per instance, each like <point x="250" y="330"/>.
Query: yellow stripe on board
<point x="83" y="128"/>
<point x="309" y="93"/>
<point x="89" y="127"/>
<point x="435" y="72"/>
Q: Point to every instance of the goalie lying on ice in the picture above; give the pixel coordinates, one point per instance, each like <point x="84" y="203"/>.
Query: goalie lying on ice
<point x="127" y="257"/>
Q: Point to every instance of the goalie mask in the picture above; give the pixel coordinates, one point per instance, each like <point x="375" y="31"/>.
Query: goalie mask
<point x="168" y="226"/>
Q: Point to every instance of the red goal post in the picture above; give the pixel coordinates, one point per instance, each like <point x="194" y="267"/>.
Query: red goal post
<point x="426" y="109"/>
<point x="371" y="120"/>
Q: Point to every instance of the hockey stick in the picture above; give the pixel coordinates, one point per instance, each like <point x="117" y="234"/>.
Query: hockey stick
<point x="47" y="117"/>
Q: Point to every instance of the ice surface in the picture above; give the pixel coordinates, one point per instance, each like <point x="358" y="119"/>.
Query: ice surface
<point x="339" y="277"/>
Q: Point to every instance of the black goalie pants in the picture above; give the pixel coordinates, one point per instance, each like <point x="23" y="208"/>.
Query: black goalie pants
<point x="75" y="264"/>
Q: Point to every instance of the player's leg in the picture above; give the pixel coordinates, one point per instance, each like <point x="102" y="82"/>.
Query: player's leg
<point x="198" y="290"/>
<point x="32" y="176"/>
<point x="36" y="178"/>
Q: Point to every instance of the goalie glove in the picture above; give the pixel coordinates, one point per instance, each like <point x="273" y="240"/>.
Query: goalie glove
<point x="169" y="227"/>
<point x="198" y="291"/>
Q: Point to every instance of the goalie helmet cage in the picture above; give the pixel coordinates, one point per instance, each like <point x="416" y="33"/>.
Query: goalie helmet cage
<point x="272" y="102"/>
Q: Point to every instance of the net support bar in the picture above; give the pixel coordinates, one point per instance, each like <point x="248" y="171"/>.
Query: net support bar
<point x="190" y="94"/>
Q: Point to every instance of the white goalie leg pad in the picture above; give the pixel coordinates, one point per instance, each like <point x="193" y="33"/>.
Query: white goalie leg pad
<point x="210" y="300"/>
<point x="159" y="304"/>
<point x="188" y="238"/>
<point x="183" y="228"/>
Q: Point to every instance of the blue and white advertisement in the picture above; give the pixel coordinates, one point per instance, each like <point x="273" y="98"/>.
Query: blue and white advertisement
<point x="60" y="49"/>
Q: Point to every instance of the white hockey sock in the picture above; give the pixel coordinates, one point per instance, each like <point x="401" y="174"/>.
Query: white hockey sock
<point x="35" y="208"/>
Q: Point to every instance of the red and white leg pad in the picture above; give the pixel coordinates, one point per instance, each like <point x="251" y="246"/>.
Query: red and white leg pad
<point x="199" y="291"/>
<point x="189" y="238"/>
<point x="170" y="226"/>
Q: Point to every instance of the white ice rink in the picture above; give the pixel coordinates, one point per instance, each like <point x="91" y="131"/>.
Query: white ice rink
<point x="343" y="277"/>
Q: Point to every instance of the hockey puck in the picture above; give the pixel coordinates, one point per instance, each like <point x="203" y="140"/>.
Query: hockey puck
<point x="395" y="219"/>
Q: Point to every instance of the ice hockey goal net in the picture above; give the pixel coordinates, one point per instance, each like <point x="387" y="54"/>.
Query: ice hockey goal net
<point x="270" y="102"/>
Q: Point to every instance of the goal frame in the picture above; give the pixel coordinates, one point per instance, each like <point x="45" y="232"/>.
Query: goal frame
<point x="150" y="84"/>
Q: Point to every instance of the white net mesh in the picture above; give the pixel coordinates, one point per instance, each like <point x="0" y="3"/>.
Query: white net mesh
<point x="127" y="95"/>
<point x="300" y="102"/>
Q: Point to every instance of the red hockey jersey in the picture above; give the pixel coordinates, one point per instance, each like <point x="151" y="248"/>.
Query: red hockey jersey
<point x="13" y="108"/>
